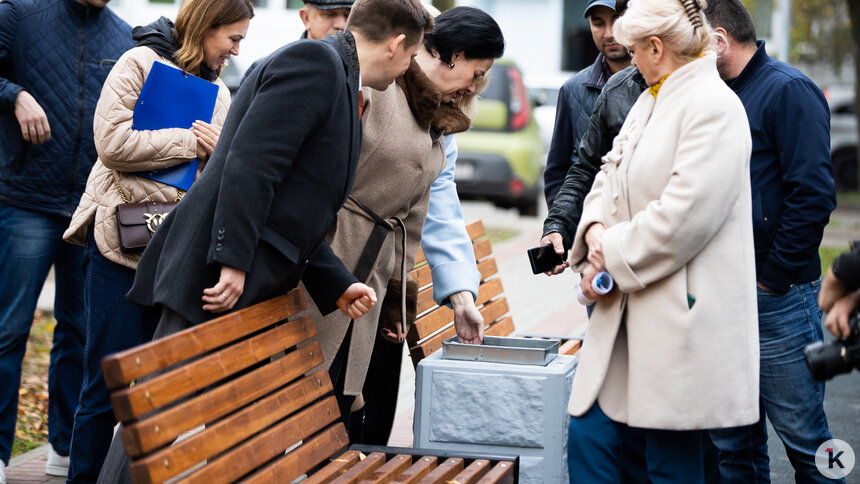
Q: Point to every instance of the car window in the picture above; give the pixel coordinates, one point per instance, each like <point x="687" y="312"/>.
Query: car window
<point x="847" y="108"/>
<point x="497" y="89"/>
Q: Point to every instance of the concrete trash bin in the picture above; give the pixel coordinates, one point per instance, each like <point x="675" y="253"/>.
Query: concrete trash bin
<point x="504" y="401"/>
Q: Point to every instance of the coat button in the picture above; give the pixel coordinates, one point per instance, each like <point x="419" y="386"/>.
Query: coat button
<point x="220" y="237"/>
<point x="218" y="246"/>
<point x="221" y="230"/>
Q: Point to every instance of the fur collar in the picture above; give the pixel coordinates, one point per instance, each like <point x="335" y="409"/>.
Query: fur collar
<point x="425" y="102"/>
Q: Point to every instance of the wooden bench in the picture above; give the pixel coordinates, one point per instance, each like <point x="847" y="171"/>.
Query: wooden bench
<point x="435" y="324"/>
<point x="249" y="380"/>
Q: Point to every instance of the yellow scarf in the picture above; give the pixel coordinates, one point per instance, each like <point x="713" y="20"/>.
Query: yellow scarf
<point x="656" y="87"/>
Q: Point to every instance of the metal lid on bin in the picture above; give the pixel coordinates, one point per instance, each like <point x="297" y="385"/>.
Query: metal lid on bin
<point x="496" y="349"/>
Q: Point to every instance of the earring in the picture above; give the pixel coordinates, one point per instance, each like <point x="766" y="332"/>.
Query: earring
<point x="451" y="65"/>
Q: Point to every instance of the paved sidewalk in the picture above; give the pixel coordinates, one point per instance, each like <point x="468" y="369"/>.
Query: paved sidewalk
<point x="29" y="468"/>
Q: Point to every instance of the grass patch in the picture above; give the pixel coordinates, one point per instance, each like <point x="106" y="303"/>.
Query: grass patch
<point x="827" y="255"/>
<point x="498" y="234"/>
<point x="848" y="198"/>
<point x="32" y="423"/>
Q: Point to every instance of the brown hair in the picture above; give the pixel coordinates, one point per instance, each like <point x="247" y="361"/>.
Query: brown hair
<point x="377" y="20"/>
<point x="194" y="20"/>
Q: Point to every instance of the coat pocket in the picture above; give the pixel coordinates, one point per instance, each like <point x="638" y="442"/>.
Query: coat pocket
<point x="281" y="244"/>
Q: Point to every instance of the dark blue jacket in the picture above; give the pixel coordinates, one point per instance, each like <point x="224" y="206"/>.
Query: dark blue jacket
<point x="575" y="102"/>
<point x="60" y="52"/>
<point x="790" y="170"/>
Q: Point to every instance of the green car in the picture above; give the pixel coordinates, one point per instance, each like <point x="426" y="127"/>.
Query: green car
<point x="501" y="156"/>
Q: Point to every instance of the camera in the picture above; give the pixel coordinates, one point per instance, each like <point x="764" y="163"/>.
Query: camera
<point x="826" y="360"/>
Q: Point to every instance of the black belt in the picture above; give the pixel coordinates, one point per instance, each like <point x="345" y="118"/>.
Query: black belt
<point x="373" y="246"/>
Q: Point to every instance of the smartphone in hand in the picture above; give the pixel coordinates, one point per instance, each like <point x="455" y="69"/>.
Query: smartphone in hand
<point x="544" y="258"/>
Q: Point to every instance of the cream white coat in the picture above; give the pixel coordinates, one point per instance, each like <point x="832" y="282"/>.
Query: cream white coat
<point x="677" y="348"/>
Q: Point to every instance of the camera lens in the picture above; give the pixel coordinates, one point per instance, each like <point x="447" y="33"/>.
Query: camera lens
<point x="826" y="360"/>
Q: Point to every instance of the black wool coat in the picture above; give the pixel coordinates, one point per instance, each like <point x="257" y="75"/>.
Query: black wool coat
<point x="283" y="166"/>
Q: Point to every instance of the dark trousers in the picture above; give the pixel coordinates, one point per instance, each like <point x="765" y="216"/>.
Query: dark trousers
<point x="380" y="391"/>
<point x="595" y="455"/>
<point x="113" y="324"/>
<point x="30" y="243"/>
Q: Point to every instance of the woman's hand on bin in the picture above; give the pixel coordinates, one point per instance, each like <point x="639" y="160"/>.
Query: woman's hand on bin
<point x="468" y="321"/>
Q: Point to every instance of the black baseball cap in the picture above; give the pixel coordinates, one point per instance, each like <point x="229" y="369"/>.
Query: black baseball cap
<point x="595" y="3"/>
<point x="330" y="4"/>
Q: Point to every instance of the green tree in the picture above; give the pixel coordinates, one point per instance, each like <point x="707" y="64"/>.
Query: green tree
<point x="443" y="5"/>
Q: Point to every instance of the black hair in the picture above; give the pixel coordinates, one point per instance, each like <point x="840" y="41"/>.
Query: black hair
<point x="468" y="30"/>
<point x="733" y="16"/>
<point x="620" y="6"/>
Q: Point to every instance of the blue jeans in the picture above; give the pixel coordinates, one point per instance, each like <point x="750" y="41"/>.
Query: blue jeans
<point x="30" y="243"/>
<point x="790" y="398"/>
<point x="113" y="324"/>
<point x="596" y="452"/>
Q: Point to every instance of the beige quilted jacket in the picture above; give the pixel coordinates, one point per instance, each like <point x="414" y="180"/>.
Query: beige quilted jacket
<point x="122" y="150"/>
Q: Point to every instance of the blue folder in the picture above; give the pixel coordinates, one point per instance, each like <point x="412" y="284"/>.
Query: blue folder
<point x="172" y="99"/>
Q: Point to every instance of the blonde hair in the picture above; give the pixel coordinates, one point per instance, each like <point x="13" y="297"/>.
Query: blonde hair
<point x="468" y="103"/>
<point x="194" y="20"/>
<point x="680" y="24"/>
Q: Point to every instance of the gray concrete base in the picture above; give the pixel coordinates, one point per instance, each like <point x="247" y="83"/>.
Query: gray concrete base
<point x="480" y="407"/>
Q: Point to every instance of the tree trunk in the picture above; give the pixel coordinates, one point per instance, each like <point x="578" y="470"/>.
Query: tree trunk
<point x="443" y="5"/>
<point x="854" y="13"/>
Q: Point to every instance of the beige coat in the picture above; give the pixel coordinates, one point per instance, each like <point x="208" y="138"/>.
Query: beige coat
<point x="677" y="349"/>
<point x="122" y="150"/>
<point x="398" y="164"/>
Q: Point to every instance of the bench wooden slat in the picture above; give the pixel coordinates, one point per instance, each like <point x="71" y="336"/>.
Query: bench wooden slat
<point x="269" y="444"/>
<point x="425" y="299"/>
<point x="420" y="257"/>
<point x="430" y="323"/>
<point x="419" y="469"/>
<point x="501" y="473"/>
<point x="336" y="467"/>
<point x="390" y="470"/>
<point x="501" y="328"/>
<point x="442" y="316"/>
<point x="476" y="229"/>
<point x="421" y="275"/>
<point x="570" y="347"/>
<point x="162" y="428"/>
<point x="122" y="368"/>
<point x="296" y="463"/>
<point x="445" y="472"/>
<point x="471" y="474"/>
<point x="361" y="470"/>
<point x="217" y="438"/>
<point x="487" y="268"/>
<point x="164" y="389"/>
<point x="494" y="310"/>
<point x="482" y="249"/>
